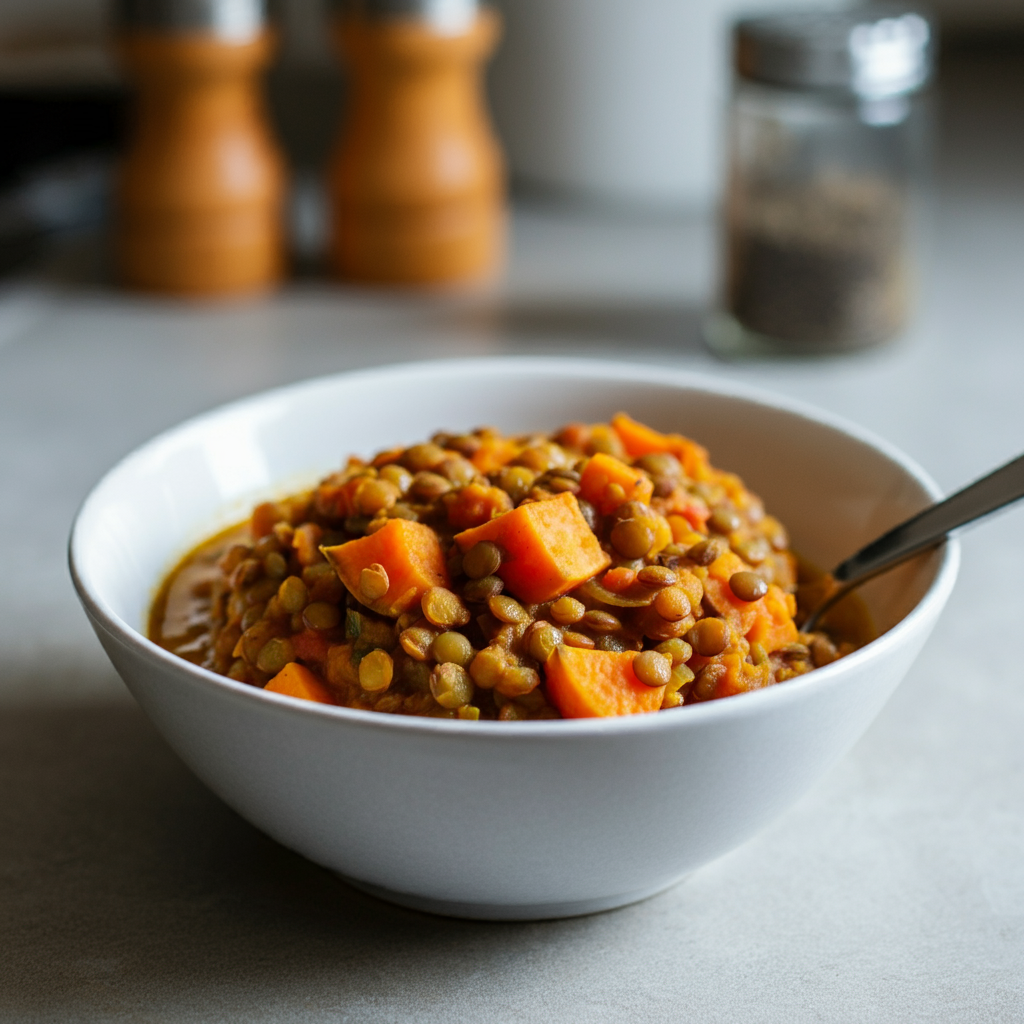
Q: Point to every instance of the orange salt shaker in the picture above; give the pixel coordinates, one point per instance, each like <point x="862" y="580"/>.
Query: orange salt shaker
<point x="200" y="191"/>
<point x="416" y="184"/>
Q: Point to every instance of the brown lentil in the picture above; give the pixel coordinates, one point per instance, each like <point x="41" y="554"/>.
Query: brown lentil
<point x="321" y="615"/>
<point x="706" y="551"/>
<point x="516" y="481"/>
<point x="652" y="668"/>
<point x="747" y="586"/>
<point x="567" y="610"/>
<point x="481" y="590"/>
<point x="274" y="655"/>
<point x="420" y="457"/>
<point x="292" y="595"/>
<point x="508" y="609"/>
<point x="601" y="622"/>
<point x="487" y="667"/>
<point x="574" y="639"/>
<point x="483" y="559"/>
<point x="753" y="550"/>
<point x="451" y="685"/>
<point x="454" y="647"/>
<point x="275" y="565"/>
<point x="678" y="650"/>
<point x="632" y="538"/>
<point x="252" y="616"/>
<point x="247" y="571"/>
<point x="657" y="576"/>
<point x="724" y="520"/>
<point x="417" y="642"/>
<point x="443" y="608"/>
<point x="661" y="464"/>
<point x="608" y="642"/>
<point x="376" y="496"/>
<point x="517" y="681"/>
<point x="428" y="486"/>
<point x="707" y="680"/>
<point x="398" y="476"/>
<point x="376" y="671"/>
<point x="373" y="582"/>
<point x="232" y="558"/>
<point x="253" y="639"/>
<point x="672" y="604"/>
<point x="709" y="637"/>
<point x="541" y="639"/>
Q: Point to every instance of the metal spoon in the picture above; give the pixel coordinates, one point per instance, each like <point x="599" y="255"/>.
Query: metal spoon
<point x="925" y="530"/>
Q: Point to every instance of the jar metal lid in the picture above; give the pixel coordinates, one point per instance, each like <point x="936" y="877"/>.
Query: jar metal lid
<point x="873" y="52"/>
<point x="447" y="16"/>
<point x="237" y="21"/>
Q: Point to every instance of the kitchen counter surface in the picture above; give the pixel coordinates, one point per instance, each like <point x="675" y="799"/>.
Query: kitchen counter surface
<point x="893" y="892"/>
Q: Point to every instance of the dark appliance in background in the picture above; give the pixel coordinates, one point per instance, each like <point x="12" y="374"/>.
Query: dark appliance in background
<point x="58" y="148"/>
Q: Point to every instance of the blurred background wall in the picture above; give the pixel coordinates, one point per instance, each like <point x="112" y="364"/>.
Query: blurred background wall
<point x="609" y="100"/>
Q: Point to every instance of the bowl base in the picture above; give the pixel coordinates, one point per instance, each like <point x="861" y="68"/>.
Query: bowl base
<point x="508" y="911"/>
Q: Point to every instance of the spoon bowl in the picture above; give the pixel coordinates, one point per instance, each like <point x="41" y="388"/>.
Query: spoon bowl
<point x="924" y="530"/>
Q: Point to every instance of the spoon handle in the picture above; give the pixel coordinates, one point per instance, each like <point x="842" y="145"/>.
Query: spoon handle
<point x="929" y="527"/>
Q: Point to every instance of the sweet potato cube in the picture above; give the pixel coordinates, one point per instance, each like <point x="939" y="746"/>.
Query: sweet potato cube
<point x="767" y="621"/>
<point x="639" y="439"/>
<point x="549" y="548"/>
<point x="476" y="504"/>
<point x="607" y="482"/>
<point x="494" y="453"/>
<point x="773" y="627"/>
<point x="295" y="680"/>
<point x="411" y="556"/>
<point x="739" y="614"/>
<point x="597" y="684"/>
<point x="740" y="676"/>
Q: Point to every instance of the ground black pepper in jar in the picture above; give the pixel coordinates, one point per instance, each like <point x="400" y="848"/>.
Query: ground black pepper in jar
<point x="825" y="131"/>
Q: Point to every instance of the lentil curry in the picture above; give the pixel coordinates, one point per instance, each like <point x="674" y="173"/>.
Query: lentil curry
<point x="602" y="570"/>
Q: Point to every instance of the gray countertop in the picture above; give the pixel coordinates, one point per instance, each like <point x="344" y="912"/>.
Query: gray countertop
<point x="893" y="892"/>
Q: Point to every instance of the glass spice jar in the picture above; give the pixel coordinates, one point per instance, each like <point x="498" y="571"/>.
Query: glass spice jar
<point x="825" y="135"/>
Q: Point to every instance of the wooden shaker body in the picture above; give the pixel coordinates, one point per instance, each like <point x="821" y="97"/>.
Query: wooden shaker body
<point x="200" y="191"/>
<point x="416" y="183"/>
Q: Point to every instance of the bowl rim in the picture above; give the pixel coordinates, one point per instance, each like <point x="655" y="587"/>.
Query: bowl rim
<point x="740" y="705"/>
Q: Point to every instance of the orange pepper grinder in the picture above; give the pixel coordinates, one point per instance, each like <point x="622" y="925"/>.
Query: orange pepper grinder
<point x="200" y="191"/>
<point x="416" y="184"/>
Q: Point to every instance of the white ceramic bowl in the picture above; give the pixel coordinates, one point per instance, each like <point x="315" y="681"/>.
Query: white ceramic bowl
<point x="492" y="819"/>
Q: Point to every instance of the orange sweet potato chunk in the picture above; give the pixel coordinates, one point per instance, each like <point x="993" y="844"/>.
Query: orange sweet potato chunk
<point x="410" y="554"/>
<point x="639" y="439"/>
<point x="768" y="622"/>
<point x="494" y="453"/>
<point x="295" y="680"/>
<point x="549" y="548"/>
<point x="607" y="482"/>
<point x="679" y="503"/>
<point x="739" y="614"/>
<point x="773" y="627"/>
<point x="597" y="684"/>
<point x="475" y="505"/>
<point x="740" y="676"/>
